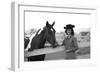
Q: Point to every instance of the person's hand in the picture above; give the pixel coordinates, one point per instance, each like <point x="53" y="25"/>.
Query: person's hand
<point x="68" y="51"/>
<point x="71" y="50"/>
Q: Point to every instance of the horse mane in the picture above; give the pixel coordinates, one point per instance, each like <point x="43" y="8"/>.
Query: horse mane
<point x="30" y="39"/>
<point x="37" y="32"/>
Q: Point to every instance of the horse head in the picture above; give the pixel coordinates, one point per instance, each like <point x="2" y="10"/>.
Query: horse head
<point x="50" y="34"/>
<point x="38" y="39"/>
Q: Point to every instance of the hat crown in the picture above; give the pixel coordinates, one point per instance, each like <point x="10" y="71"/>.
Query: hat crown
<point x="69" y="26"/>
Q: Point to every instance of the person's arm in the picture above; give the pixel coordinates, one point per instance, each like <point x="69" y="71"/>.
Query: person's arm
<point x="63" y="42"/>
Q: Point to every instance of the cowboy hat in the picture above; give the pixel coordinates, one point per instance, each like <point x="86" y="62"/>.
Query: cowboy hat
<point x="69" y="26"/>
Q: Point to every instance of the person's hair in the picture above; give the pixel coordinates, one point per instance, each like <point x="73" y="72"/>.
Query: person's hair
<point x="72" y="32"/>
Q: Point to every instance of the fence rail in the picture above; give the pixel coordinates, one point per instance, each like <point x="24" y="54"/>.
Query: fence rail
<point x="43" y="51"/>
<point x="50" y="50"/>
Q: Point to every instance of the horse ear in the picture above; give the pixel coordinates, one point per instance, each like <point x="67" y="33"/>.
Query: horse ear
<point x="53" y="23"/>
<point x="47" y="23"/>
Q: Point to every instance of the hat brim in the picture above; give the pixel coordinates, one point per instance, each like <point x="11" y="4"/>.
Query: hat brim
<point x="69" y="26"/>
<point x="65" y="28"/>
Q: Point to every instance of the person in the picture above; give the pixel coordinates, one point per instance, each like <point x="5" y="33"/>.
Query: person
<point x="70" y="42"/>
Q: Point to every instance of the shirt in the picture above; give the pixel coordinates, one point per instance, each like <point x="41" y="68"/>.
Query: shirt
<point x="70" y="44"/>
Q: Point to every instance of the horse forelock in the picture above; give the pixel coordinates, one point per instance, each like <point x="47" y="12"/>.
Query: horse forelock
<point x="52" y="29"/>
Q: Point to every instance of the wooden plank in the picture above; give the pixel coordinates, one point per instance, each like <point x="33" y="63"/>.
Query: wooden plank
<point x="43" y="51"/>
<point x="51" y="50"/>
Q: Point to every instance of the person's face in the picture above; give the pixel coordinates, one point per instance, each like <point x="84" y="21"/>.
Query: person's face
<point x="68" y="32"/>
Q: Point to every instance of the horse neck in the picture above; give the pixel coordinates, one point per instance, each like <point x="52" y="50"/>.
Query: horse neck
<point x="42" y="40"/>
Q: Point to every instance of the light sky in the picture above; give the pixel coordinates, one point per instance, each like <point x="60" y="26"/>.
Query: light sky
<point x="37" y="20"/>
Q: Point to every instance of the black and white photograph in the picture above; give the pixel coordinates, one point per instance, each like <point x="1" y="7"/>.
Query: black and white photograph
<point x="52" y="35"/>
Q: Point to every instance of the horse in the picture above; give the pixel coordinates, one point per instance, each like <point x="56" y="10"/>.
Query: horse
<point x="47" y="34"/>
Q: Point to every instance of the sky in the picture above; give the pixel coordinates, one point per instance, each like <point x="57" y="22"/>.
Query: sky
<point x="38" y="20"/>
